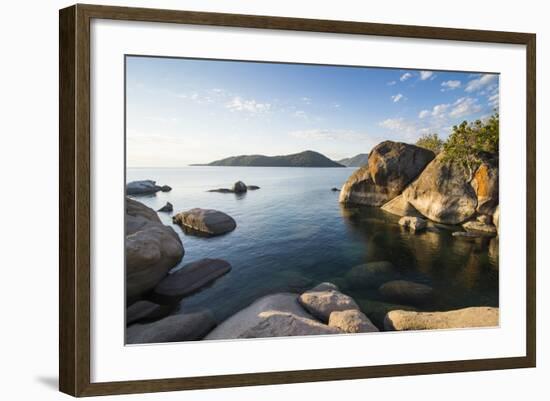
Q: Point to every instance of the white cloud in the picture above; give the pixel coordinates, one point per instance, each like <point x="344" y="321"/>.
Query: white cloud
<point x="479" y="83"/>
<point x="494" y="100"/>
<point x="424" y="75"/>
<point x="397" y="98"/>
<point x="424" y="113"/>
<point x="464" y="106"/>
<point x="327" y="134"/>
<point x="247" y="105"/>
<point x="391" y="83"/>
<point x="450" y="85"/>
<point x="437" y="111"/>
<point x="405" y="76"/>
<point x="398" y="124"/>
<point x="300" y="114"/>
<point x="306" y="100"/>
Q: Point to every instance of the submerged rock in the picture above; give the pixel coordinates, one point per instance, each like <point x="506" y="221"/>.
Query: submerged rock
<point x="351" y="321"/>
<point x="413" y="223"/>
<point x="322" y="300"/>
<point x="251" y="320"/>
<point x="481" y="316"/>
<point x="145" y="187"/>
<point x="189" y="279"/>
<point x="166" y="208"/>
<point x="239" y="187"/>
<point x="334" y="189"/>
<point x="252" y="187"/>
<point x="145" y="311"/>
<point x="442" y="192"/>
<point x="400" y="207"/>
<point x="371" y="274"/>
<point x="207" y="221"/>
<point x="184" y="327"/>
<point x="391" y="167"/>
<point x="407" y="292"/>
<point x="152" y="249"/>
<point x="376" y="310"/>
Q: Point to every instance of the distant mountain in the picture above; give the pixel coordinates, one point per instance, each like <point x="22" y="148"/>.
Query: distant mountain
<point x="302" y="159"/>
<point x="356" y="161"/>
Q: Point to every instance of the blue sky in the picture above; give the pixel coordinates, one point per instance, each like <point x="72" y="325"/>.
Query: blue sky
<point x="183" y="111"/>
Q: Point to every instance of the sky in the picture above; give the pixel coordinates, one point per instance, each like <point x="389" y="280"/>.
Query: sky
<point x="184" y="111"/>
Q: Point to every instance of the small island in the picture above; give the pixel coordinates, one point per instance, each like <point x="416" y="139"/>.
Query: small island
<point x="307" y="158"/>
<point x="362" y="159"/>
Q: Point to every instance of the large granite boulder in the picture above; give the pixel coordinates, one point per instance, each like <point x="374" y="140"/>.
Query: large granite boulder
<point x="351" y="321"/>
<point x="391" y="167"/>
<point x="145" y="187"/>
<point x="143" y="310"/>
<point x="481" y="316"/>
<point x="371" y="274"/>
<point x="400" y="207"/>
<point x="407" y="292"/>
<point x="485" y="184"/>
<point x="152" y="249"/>
<point x="282" y="325"/>
<point x="322" y="300"/>
<point x="206" y="221"/>
<point x="272" y="315"/>
<point x="189" y="279"/>
<point x="442" y="192"/>
<point x="184" y="327"/>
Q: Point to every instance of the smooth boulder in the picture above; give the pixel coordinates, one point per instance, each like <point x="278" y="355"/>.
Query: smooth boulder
<point x="144" y="310"/>
<point x="206" y="221"/>
<point x="184" y="327"/>
<point x="189" y="279"/>
<point x="400" y="207"/>
<point x="442" y="192"/>
<point x="241" y="323"/>
<point x="351" y="321"/>
<point x="407" y="292"/>
<point x="322" y="301"/>
<point x="283" y="325"/>
<point x="481" y="316"/>
<point x="152" y="249"/>
<point x="145" y="187"/>
<point x="413" y="223"/>
<point x="391" y="167"/>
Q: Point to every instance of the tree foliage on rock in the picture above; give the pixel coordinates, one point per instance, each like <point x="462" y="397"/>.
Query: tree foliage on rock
<point x="431" y="142"/>
<point x="470" y="142"/>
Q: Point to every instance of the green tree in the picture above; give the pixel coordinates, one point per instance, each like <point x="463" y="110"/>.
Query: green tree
<point x="431" y="142"/>
<point x="468" y="142"/>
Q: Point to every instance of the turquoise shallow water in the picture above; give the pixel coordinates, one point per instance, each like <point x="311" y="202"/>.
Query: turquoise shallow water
<point x="292" y="234"/>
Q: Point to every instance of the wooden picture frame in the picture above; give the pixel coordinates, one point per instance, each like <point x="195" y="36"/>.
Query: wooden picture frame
<point x="74" y="194"/>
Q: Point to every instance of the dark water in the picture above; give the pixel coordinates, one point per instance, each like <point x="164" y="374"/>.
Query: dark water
<point x="292" y="234"/>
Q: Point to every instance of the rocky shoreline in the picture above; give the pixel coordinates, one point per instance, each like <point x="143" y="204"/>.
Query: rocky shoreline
<point x="425" y="190"/>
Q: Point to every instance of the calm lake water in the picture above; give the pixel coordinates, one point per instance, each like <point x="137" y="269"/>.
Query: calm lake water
<point x="293" y="234"/>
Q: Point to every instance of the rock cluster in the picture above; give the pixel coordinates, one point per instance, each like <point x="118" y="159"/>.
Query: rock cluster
<point x="145" y="187"/>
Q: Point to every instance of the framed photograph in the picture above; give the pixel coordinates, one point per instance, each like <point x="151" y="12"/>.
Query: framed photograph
<point x="250" y="200"/>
